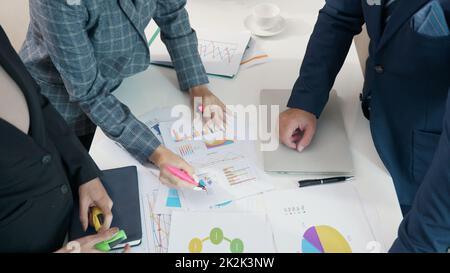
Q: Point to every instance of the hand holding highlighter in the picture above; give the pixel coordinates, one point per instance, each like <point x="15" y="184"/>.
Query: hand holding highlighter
<point x="181" y="174"/>
<point x="107" y="245"/>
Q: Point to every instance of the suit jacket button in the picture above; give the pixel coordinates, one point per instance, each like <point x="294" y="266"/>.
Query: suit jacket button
<point x="46" y="159"/>
<point x="64" y="189"/>
<point x="379" y="69"/>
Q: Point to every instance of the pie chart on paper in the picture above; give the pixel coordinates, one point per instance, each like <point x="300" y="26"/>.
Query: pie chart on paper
<point x="324" y="239"/>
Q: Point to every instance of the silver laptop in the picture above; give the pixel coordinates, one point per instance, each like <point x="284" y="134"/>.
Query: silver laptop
<point x="329" y="152"/>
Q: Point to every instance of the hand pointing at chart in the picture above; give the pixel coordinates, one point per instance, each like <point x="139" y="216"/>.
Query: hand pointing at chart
<point x="163" y="158"/>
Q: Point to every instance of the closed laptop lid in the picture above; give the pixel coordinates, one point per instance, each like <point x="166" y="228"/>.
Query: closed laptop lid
<point x="328" y="153"/>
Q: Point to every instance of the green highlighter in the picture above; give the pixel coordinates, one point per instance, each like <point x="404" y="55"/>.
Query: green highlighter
<point x="108" y="245"/>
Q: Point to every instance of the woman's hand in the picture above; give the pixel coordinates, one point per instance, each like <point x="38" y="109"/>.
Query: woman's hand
<point x="93" y="194"/>
<point x="87" y="244"/>
<point x="162" y="158"/>
<point x="212" y="108"/>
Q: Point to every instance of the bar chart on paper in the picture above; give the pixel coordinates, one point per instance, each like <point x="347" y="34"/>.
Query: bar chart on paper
<point x="237" y="173"/>
<point x="211" y="144"/>
<point x="173" y="199"/>
<point x="189" y="149"/>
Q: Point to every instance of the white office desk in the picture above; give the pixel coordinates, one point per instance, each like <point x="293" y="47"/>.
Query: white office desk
<point x="158" y="87"/>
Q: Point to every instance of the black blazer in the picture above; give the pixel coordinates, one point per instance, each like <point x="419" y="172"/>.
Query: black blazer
<point x="38" y="171"/>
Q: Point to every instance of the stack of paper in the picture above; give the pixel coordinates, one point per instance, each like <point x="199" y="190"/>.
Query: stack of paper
<point x="323" y="219"/>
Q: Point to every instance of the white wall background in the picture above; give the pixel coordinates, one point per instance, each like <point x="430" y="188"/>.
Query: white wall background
<point x="14" y="19"/>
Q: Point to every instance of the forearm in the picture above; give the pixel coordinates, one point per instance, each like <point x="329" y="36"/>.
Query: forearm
<point x="326" y="52"/>
<point x="72" y="52"/>
<point x="119" y="124"/>
<point x="181" y="42"/>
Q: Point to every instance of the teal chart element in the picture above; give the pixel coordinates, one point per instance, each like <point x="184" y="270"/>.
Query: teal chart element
<point x="173" y="199"/>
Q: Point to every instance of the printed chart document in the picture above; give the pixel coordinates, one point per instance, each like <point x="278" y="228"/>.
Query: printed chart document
<point x="220" y="232"/>
<point x="321" y="219"/>
<point x="220" y="163"/>
<point x="221" y="53"/>
<point x="157" y="225"/>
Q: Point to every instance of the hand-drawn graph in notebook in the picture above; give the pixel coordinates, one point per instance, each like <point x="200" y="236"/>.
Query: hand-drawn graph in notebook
<point x="216" y="50"/>
<point x="221" y="52"/>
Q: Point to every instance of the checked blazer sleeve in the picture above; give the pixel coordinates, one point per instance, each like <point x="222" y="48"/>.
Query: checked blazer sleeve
<point x="63" y="27"/>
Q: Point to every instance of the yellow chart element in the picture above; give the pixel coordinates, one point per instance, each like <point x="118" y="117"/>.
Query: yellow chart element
<point x="195" y="245"/>
<point x="332" y="240"/>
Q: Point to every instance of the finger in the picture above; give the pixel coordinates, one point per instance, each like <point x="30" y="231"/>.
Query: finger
<point x="106" y="207"/>
<point x="186" y="167"/>
<point x="286" y="133"/>
<point x="209" y="126"/>
<point x="218" y="118"/>
<point x="308" y="134"/>
<point x="102" y="236"/>
<point x="207" y="111"/>
<point x="296" y="138"/>
<point x="229" y="117"/>
<point x="166" y="182"/>
<point x="178" y="183"/>
<point x="127" y="249"/>
<point x="84" y="213"/>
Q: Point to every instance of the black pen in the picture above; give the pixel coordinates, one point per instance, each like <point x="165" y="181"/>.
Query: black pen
<point x="314" y="182"/>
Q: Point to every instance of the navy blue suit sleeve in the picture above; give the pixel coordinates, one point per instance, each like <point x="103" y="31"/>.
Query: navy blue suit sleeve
<point x="338" y="22"/>
<point x="426" y="228"/>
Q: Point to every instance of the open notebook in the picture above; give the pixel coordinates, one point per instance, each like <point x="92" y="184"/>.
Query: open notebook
<point x="221" y="53"/>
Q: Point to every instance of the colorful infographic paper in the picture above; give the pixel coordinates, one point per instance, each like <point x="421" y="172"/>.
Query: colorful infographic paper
<point x="226" y="171"/>
<point x="220" y="232"/>
<point x="321" y="219"/>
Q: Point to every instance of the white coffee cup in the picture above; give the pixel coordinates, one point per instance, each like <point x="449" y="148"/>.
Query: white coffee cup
<point x="266" y="15"/>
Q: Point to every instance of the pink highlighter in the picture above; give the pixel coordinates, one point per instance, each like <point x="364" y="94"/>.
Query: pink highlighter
<point x="181" y="174"/>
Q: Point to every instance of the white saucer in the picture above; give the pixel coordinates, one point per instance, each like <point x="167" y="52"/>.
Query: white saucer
<point x="250" y="24"/>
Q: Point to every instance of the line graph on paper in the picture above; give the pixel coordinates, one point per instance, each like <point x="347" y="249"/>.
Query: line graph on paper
<point x="159" y="227"/>
<point x="216" y="50"/>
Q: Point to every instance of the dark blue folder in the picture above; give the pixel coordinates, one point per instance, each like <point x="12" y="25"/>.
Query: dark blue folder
<point x="122" y="186"/>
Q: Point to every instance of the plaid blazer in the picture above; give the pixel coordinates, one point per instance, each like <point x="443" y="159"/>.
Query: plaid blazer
<point x="80" y="50"/>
